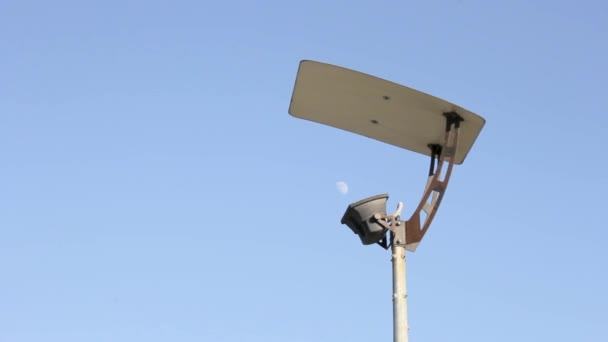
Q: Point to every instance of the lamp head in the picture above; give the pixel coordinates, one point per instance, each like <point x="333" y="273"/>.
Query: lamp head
<point x="359" y="217"/>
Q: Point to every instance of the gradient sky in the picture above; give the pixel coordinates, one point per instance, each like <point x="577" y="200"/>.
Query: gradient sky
<point x="154" y="188"/>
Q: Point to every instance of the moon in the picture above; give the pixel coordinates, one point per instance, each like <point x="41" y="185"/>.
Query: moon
<point x="342" y="187"/>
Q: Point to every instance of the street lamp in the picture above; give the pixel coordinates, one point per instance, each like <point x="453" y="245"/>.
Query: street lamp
<point x="396" y="115"/>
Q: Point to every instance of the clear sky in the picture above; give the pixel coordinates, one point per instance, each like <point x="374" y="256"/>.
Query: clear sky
<point x="154" y="188"/>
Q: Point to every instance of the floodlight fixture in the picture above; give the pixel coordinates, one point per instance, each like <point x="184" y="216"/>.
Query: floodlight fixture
<point x="360" y="218"/>
<point x="397" y="115"/>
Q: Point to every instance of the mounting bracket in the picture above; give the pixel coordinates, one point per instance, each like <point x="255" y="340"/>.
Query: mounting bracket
<point x="395" y="226"/>
<point x="436" y="184"/>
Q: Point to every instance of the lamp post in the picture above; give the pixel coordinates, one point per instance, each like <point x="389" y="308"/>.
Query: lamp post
<point x="400" y="323"/>
<point x="400" y="116"/>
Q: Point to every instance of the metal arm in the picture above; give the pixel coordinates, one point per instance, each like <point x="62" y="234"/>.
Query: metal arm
<point x="435" y="186"/>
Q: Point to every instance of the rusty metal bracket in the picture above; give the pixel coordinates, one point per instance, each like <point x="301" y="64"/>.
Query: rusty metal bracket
<point x="436" y="182"/>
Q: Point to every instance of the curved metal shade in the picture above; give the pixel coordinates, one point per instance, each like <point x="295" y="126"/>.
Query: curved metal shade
<point x="378" y="109"/>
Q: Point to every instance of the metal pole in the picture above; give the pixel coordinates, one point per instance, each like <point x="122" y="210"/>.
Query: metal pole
<point x="400" y="325"/>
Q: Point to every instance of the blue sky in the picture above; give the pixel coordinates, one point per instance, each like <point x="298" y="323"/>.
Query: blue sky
<point x="154" y="188"/>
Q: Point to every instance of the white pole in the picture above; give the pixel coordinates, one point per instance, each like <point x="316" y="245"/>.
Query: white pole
<point x="400" y="325"/>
